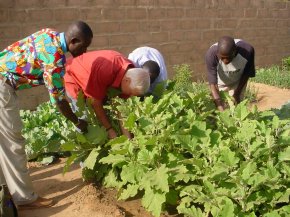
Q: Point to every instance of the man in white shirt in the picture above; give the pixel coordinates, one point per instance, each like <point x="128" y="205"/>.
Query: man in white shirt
<point x="230" y="63"/>
<point x="152" y="60"/>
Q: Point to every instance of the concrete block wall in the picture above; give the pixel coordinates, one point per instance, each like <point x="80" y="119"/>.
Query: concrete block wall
<point x="181" y="29"/>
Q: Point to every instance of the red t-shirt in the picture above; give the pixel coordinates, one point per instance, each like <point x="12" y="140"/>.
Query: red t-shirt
<point x="94" y="72"/>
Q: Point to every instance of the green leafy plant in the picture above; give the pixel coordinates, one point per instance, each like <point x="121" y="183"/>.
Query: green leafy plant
<point x="186" y="154"/>
<point x="275" y="75"/>
<point x="43" y="130"/>
<point x="251" y="93"/>
<point x="286" y="64"/>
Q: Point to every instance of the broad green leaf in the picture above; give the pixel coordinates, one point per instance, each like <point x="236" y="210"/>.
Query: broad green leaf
<point x="242" y="111"/>
<point x="272" y="214"/>
<point x="159" y="178"/>
<point x="118" y="140"/>
<point x="153" y="201"/>
<point x="113" y="92"/>
<point x="271" y="171"/>
<point x="81" y="104"/>
<point x="229" y="157"/>
<point x="96" y="135"/>
<point x="286" y="209"/>
<point x="172" y="197"/>
<point x="209" y="187"/>
<point x="227" y="208"/>
<point x="91" y="159"/>
<point x="111" y="180"/>
<point x="159" y="89"/>
<point x="132" y="173"/>
<point x="143" y="122"/>
<point x="191" y="211"/>
<point x="130" y="122"/>
<point x="226" y="119"/>
<point x="275" y="122"/>
<point x="68" y="146"/>
<point x="286" y="169"/>
<point x="113" y="159"/>
<point x="81" y="138"/>
<point x="69" y="162"/>
<point x="47" y="160"/>
<point x="249" y="169"/>
<point x="130" y="191"/>
<point x="285" y="155"/>
<point x="219" y="172"/>
<point x="284" y="197"/>
<point x="145" y="157"/>
<point x="257" y="179"/>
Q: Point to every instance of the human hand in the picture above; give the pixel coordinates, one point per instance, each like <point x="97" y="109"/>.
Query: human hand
<point x="82" y="125"/>
<point x="237" y="98"/>
<point x="221" y="108"/>
<point x="112" y="133"/>
<point x="219" y="104"/>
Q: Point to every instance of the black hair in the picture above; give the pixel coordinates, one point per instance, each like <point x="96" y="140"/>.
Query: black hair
<point x="226" y="45"/>
<point x="80" y="28"/>
<point x="154" y="69"/>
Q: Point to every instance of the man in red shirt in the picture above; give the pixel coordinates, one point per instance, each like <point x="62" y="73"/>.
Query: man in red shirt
<point x="94" y="72"/>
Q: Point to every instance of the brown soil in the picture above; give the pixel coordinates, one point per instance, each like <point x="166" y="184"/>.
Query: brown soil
<point x="75" y="198"/>
<point x="270" y="97"/>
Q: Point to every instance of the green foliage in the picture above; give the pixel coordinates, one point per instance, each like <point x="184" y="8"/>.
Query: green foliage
<point x="183" y="77"/>
<point x="251" y="93"/>
<point x="230" y="164"/>
<point x="275" y="75"/>
<point x="43" y="130"/>
<point x="187" y="154"/>
<point x="286" y="64"/>
<point x="48" y="133"/>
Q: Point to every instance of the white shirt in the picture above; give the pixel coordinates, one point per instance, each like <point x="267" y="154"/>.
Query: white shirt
<point x="142" y="54"/>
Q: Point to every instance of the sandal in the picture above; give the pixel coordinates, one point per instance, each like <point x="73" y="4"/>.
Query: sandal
<point x="38" y="204"/>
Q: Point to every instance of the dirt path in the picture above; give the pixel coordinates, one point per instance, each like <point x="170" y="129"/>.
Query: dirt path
<point x="74" y="198"/>
<point x="270" y="97"/>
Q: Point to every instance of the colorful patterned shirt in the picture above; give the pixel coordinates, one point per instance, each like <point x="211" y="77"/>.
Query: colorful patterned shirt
<point x="36" y="60"/>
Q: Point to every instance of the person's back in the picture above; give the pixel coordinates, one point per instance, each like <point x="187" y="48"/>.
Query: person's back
<point x="28" y="62"/>
<point x="95" y="71"/>
<point x="35" y="60"/>
<point x="141" y="55"/>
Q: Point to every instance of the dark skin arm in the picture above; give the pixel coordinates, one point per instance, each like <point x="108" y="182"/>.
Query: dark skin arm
<point x="216" y="97"/>
<point x="65" y="109"/>
<point x="102" y="117"/>
<point x="237" y="94"/>
<point x="123" y="129"/>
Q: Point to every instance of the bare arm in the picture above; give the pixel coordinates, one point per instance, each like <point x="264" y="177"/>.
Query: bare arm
<point x="243" y="81"/>
<point x="216" y="97"/>
<point x="123" y="129"/>
<point x="102" y="117"/>
<point x="65" y="109"/>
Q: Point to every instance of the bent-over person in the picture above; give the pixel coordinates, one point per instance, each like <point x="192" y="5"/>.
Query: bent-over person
<point x="230" y="63"/>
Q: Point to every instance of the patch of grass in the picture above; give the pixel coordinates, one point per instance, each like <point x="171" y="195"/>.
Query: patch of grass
<point x="275" y="75"/>
<point x="251" y="93"/>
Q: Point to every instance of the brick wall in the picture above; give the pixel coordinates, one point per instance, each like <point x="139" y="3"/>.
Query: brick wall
<point x="181" y="29"/>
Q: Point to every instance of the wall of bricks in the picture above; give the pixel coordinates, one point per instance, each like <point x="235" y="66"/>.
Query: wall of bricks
<point x="181" y="29"/>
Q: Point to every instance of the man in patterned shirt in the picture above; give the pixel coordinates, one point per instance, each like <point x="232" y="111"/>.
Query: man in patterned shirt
<point x="38" y="59"/>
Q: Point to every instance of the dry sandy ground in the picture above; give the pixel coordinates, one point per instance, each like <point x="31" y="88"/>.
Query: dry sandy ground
<point x="74" y="198"/>
<point x="270" y="97"/>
